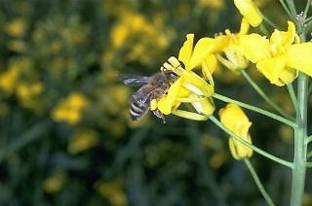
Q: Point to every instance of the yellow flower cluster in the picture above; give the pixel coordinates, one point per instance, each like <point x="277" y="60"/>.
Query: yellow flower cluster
<point x="27" y="91"/>
<point x="278" y="58"/>
<point x="69" y="109"/>
<point x="125" y="32"/>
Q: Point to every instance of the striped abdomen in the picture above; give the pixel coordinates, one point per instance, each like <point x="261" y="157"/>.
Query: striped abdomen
<point x="137" y="110"/>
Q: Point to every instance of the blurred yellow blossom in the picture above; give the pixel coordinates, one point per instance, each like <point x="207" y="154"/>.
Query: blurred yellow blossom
<point x="215" y="4"/>
<point x="26" y="91"/>
<point x="8" y="79"/>
<point x="16" y="27"/>
<point x="112" y="191"/>
<point x="54" y="183"/>
<point x="82" y="140"/>
<point x="69" y="109"/>
<point x="125" y="32"/>
<point x="27" y="94"/>
<point x="217" y="159"/>
<point x="234" y="119"/>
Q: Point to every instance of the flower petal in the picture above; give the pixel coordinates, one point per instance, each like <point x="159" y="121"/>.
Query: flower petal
<point x="209" y="65"/>
<point x="276" y="70"/>
<point x="244" y="28"/>
<point x="204" y="106"/>
<point x="187" y="49"/>
<point x="280" y="40"/>
<point x="166" y="103"/>
<point x="234" y="118"/>
<point x="254" y="47"/>
<point x="202" y="48"/>
<point x="248" y="9"/>
<point x="299" y="57"/>
<point x="197" y="85"/>
<point x="190" y="115"/>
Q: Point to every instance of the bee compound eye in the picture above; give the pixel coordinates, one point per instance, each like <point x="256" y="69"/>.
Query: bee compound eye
<point x="172" y="75"/>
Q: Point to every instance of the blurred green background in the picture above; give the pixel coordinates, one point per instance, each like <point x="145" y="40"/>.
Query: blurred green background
<point x="66" y="138"/>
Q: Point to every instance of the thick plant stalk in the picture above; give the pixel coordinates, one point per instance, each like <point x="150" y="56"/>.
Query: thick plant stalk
<point x="299" y="169"/>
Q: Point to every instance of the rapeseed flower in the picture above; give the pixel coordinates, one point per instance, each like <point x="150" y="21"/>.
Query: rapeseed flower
<point x="281" y="57"/>
<point x="234" y="119"/>
<point x="234" y="58"/>
<point x="189" y="87"/>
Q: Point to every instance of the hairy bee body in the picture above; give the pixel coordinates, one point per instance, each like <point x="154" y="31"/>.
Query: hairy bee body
<point x="153" y="87"/>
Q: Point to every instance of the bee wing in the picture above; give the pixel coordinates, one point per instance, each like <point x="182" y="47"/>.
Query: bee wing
<point x="135" y="81"/>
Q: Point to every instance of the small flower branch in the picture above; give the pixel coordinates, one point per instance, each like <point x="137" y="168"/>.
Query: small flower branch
<point x="292" y="95"/>
<point x="292" y="8"/>
<point x="263" y="94"/>
<point x="308" y="140"/>
<point x="310" y="89"/>
<point x="285" y="7"/>
<point x="300" y="146"/>
<point x="270" y="22"/>
<point x="308" y="164"/>
<point x="256" y="109"/>
<point x="254" y="148"/>
<point x="258" y="182"/>
<point x="307" y="7"/>
<point x="298" y="171"/>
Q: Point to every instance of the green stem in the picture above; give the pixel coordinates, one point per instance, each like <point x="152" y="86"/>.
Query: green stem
<point x="309" y="155"/>
<point x="285" y="7"/>
<point x="299" y="169"/>
<point x="263" y="95"/>
<point x="258" y="182"/>
<point x="310" y="89"/>
<point x="270" y="22"/>
<point x="255" y="109"/>
<point x="308" y="164"/>
<point x="247" y="144"/>
<point x="292" y="95"/>
<point x="292" y="8"/>
<point x="307" y="7"/>
<point x="264" y="30"/>
<point x="308" y="140"/>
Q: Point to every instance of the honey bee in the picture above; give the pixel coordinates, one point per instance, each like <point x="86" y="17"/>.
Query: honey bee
<point x="151" y="87"/>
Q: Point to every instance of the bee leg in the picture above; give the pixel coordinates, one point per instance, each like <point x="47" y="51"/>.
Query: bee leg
<point x="160" y="115"/>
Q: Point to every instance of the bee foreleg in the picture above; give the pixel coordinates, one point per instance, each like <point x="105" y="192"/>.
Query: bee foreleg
<point x="160" y="115"/>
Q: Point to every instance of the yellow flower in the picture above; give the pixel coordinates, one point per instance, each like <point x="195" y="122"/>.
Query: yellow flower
<point x="112" y="191"/>
<point x="16" y="28"/>
<point x="8" y="79"/>
<point x="82" y="140"/>
<point x="189" y="87"/>
<point x="235" y="59"/>
<point x="215" y="4"/>
<point x="248" y="10"/>
<point x="280" y="57"/>
<point x="54" y="183"/>
<point x="234" y="118"/>
<point x="299" y="57"/>
<point x="69" y="110"/>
